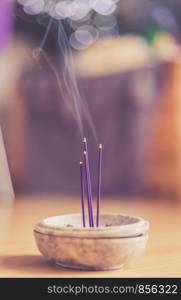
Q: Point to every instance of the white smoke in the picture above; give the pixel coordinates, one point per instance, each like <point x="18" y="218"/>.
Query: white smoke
<point x="87" y="19"/>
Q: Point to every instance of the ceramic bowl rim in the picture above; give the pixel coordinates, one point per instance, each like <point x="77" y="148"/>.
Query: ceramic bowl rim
<point x="132" y="229"/>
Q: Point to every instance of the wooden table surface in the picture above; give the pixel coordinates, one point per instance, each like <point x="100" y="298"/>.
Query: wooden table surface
<point x="19" y="256"/>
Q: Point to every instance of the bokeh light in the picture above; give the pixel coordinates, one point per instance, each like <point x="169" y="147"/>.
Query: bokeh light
<point x="75" y="43"/>
<point x="105" y="22"/>
<point x="66" y="9"/>
<point x="103" y="7"/>
<point x="83" y="8"/>
<point x="88" y="19"/>
<point x="74" y="24"/>
<point x="74" y="9"/>
<point x="83" y="37"/>
<point x="27" y="2"/>
<point x="88" y="30"/>
<point x="34" y="7"/>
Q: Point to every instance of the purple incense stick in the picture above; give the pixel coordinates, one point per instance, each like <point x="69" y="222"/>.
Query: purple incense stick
<point x="99" y="185"/>
<point x="82" y="194"/>
<point x="89" y="181"/>
<point x="89" y="192"/>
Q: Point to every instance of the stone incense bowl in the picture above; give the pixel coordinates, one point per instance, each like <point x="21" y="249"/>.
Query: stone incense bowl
<point x="119" y="238"/>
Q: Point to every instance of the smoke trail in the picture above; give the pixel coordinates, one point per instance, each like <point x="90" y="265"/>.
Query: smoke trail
<point x="36" y="54"/>
<point x="69" y="81"/>
<point x="46" y="33"/>
<point x="68" y="84"/>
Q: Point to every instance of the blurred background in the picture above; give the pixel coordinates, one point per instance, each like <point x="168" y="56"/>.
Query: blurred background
<point x="108" y="70"/>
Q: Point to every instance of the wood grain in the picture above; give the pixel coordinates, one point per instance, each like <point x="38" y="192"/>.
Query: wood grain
<point x="19" y="256"/>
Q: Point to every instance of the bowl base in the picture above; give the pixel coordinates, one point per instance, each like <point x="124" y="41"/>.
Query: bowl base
<point x="89" y="268"/>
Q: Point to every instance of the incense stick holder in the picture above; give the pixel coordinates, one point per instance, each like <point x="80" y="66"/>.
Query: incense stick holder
<point x="119" y="239"/>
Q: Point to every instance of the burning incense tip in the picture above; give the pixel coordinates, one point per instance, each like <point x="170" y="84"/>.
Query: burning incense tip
<point x="84" y="140"/>
<point x="81" y="163"/>
<point x="100" y="146"/>
<point x="85" y="152"/>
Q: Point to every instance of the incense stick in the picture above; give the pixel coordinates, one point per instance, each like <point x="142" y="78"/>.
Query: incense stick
<point x="89" y="192"/>
<point x="82" y="194"/>
<point x="99" y="185"/>
<point x="89" y="180"/>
